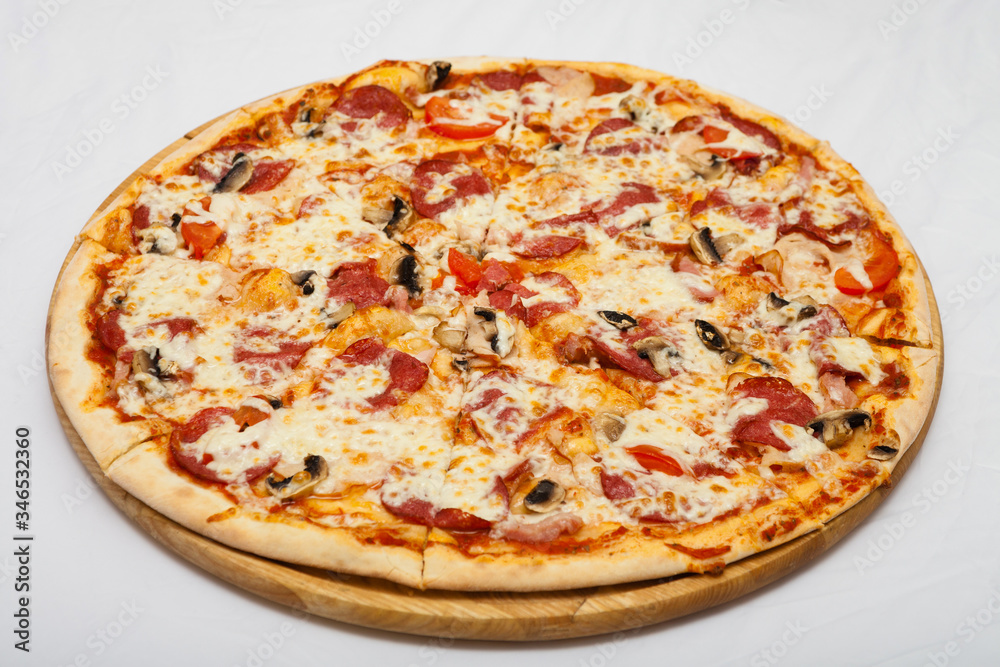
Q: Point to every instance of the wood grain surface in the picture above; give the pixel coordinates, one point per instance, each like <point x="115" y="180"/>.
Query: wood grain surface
<point x="380" y="604"/>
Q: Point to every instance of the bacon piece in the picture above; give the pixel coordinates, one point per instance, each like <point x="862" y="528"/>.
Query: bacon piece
<point x="827" y="322"/>
<point x="371" y="101"/>
<point x="785" y="403"/>
<point x="576" y="349"/>
<point x="839" y="395"/>
<point x="267" y="174"/>
<point x="357" y="282"/>
<point x="465" y="185"/>
<point x="545" y="530"/>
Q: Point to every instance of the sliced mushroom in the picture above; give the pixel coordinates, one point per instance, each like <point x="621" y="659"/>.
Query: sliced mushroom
<point x="660" y="352"/>
<point x="175" y="220"/>
<point x="158" y="239"/>
<point x="726" y="242"/>
<point x="273" y="401"/>
<point x="301" y="483"/>
<point x="237" y="176"/>
<point x="436" y="74"/>
<point x="610" y="425"/>
<point x="490" y="332"/>
<point x="555" y="146"/>
<point x="393" y="218"/>
<point x="544" y="496"/>
<point x="147" y="372"/>
<point x="305" y="116"/>
<point x="803" y="311"/>
<point x="304" y="279"/>
<point x="450" y="337"/>
<point x="634" y="107"/>
<point x="834" y="428"/>
<point x="339" y="315"/>
<point x="317" y="130"/>
<point x="405" y="272"/>
<point x="711" y="336"/>
<point x="703" y="247"/>
<point x="621" y="321"/>
<point x="886" y="447"/>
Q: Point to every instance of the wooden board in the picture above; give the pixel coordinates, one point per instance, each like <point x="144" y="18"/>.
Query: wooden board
<point x="380" y="604"/>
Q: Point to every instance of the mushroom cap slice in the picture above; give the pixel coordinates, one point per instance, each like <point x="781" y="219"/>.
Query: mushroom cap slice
<point x="620" y="321"/>
<point x="836" y="427"/>
<point x="544" y="496"/>
<point x="703" y="247"/>
<point x="610" y="425"/>
<point x="660" y="352"/>
<point x="437" y="73"/>
<point x="304" y="280"/>
<point x="711" y="336"/>
<point x="886" y="447"/>
<point x="315" y="470"/>
<point x="237" y="176"/>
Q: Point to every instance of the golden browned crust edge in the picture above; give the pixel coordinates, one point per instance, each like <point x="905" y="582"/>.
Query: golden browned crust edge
<point x="75" y="379"/>
<point x="144" y="473"/>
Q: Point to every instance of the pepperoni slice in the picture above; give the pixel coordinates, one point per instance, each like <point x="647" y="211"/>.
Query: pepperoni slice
<point x="356" y="282"/>
<point x="267" y="174"/>
<point x="609" y="126"/>
<point x="609" y="84"/>
<point x="502" y="80"/>
<point x="785" y="403"/>
<point x="419" y="511"/>
<point x="372" y="101"/>
<point x="539" y="311"/>
<point x="288" y="355"/>
<point x="406" y="374"/>
<point x="616" y="487"/>
<point x="461" y="182"/>
<point x="176" y="325"/>
<point x="546" y="247"/>
<point x="458" y="520"/>
<point x="109" y="331"/>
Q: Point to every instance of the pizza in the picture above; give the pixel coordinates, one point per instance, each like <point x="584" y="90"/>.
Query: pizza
<point x="495" y="324"/>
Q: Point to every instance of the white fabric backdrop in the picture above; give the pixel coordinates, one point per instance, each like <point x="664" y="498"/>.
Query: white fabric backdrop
<point x="906" y="90"/>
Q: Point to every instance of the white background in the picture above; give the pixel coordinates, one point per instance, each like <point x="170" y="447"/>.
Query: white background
<point x="906" y="90"/>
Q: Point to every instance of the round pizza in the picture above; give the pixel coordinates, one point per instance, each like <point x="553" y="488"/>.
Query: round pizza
<point x="496" y="324"/>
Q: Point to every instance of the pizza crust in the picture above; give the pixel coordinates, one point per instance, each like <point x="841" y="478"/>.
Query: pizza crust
<point x="135" y="457"/>
<point x="144" y="473"/>
<point x="79" y="383"/>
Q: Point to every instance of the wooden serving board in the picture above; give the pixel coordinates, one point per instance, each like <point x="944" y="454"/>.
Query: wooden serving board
<point x="380" y="604"/>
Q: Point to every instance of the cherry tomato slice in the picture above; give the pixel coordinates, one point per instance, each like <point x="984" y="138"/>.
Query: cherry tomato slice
<point x="653" y="458"/>
<point x="881" y="265"/>
<point x="440" y="110"/>
<point x="200" y="236"/>
<point x="464" y="267"/>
